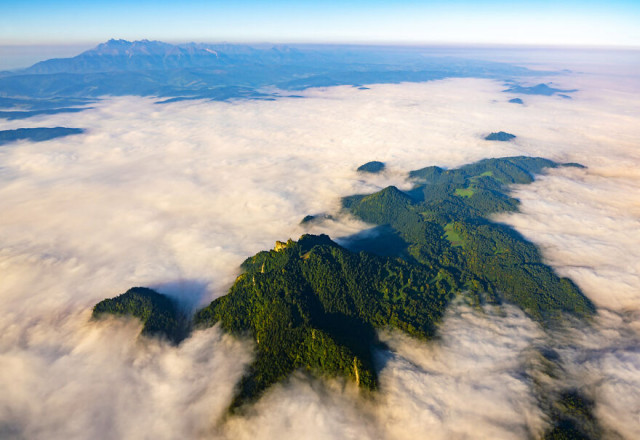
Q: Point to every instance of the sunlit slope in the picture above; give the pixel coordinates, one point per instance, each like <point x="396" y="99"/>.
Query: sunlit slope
<point x="316" y="306"/>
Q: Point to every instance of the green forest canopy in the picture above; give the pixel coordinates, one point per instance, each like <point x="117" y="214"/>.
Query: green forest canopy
<point x="316" y="306"/>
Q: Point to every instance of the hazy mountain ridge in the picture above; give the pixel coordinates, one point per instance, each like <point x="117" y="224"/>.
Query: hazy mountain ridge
<point x="123" y="55"/>
<point x="539" y="89"/>
<point x="37" y="134"/>
<point x="201" y="70"/>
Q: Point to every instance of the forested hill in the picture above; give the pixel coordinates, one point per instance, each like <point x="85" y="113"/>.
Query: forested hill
<point x="444" y="220"/>
<point x="159" y="314"/>
<point x="316" y="306"/>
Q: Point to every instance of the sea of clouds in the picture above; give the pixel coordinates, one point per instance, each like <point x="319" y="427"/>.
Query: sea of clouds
<point x="176" y="196"/>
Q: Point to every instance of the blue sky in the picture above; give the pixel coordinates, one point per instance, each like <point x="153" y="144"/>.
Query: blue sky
<point x="586" y="23"/>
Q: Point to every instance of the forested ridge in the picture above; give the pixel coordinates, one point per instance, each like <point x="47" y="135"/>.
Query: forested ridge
<point x="445" y="221"/>
<point x="315" y="305"/>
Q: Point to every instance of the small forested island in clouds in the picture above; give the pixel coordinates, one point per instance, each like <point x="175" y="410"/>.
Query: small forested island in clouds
<point x="316" y="306"/>
<point x="371" y="167"/>
<point x="501" y="136"/>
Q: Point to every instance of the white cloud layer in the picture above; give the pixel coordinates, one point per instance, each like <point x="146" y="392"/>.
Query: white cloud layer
<point x="176" y="196"/>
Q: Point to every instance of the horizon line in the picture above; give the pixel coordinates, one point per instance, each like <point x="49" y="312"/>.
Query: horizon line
<point x="358" y="43"/>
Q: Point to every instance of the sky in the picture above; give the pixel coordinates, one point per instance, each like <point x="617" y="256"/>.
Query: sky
<point x="542" y="22"/>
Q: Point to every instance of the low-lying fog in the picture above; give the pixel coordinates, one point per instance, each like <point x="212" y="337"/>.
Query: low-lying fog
<point x="176" y="196"/>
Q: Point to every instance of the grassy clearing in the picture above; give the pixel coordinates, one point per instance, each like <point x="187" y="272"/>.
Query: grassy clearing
<point x="454" y="238"/>
<point x="465" y="192"/>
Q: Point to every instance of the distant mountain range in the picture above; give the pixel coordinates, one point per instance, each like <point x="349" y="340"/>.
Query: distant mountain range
<point x="122" y="55"/>
<point x="227" y="71"/>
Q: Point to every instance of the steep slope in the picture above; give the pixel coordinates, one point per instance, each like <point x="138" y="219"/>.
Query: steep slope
<point x="314" y="305"/>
